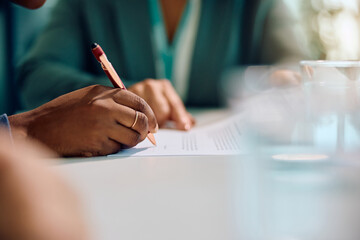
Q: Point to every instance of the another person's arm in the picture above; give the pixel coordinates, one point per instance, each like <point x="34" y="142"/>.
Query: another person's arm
<point x="35" y="203"/>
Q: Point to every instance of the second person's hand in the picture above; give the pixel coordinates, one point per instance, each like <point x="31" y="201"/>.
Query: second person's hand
<point x="165" y="102"/>
<point x="285" y="78"/>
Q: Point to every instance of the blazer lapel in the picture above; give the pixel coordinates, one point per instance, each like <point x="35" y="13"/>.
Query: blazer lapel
<point x="217" y="39"/>
<point x="134" y="29"/>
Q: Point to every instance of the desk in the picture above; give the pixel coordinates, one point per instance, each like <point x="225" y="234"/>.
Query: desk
<point x="208" y="197"/>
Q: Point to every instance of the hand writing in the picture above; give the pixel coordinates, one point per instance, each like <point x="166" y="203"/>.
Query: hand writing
<point x="92" y="121"/>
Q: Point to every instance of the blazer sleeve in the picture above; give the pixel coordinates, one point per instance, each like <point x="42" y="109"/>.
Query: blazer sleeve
<point x="56" y="64"/>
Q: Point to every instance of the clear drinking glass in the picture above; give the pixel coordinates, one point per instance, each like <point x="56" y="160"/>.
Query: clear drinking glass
<point x="331" y="91"/>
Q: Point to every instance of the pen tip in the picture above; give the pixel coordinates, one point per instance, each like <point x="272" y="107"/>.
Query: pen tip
<point x="151" y="138"/>
<point x="94" y="45"/>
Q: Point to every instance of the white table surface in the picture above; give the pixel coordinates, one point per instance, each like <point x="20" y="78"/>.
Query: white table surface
<point x="215" y="197"/>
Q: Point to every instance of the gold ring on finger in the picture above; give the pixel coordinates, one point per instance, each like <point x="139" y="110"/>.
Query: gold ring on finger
<point x="136" y="119"/>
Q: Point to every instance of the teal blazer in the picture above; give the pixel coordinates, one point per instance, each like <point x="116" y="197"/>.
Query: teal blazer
<point x="231" y="33"/>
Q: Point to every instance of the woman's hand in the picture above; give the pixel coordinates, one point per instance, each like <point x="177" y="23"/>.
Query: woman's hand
<point x="285" y="78"/>
<point x="92" y="121"/>
<point x="165" y="102"/>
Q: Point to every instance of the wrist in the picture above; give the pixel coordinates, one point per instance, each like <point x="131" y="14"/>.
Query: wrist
<point x="19" y="124"/>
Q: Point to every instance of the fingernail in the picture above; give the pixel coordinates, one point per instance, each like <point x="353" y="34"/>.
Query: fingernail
<point x="157" y="128"/>
<point x="187" y="126"/>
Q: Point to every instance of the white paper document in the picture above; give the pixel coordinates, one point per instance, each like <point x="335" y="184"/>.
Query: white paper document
<point x="221" y="138"/>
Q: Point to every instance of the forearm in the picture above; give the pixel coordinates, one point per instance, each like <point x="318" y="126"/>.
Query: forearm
<point x="19" y="123"/>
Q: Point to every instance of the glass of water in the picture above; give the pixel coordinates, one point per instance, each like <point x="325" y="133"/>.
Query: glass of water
<point x="332" y="90"/>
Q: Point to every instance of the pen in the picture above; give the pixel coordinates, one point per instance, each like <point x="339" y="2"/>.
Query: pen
<point x="112" y="75"/>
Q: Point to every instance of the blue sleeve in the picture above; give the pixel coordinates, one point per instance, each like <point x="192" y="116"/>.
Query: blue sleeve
<point x="4" y="124"/>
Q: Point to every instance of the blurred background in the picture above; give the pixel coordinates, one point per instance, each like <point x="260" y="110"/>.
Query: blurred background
<point x="19" y="28"/>
<point x="331" y="29"/>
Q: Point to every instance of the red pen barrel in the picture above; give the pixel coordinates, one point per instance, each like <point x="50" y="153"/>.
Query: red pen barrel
<point x="97" y="51"/>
